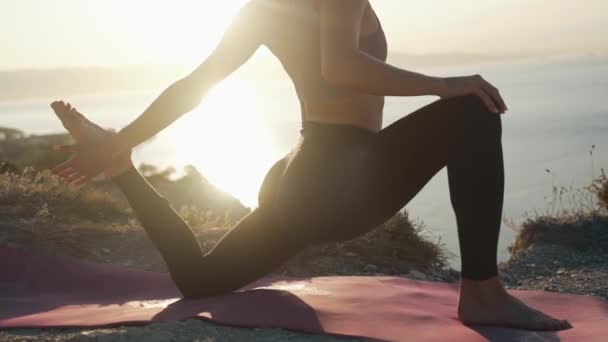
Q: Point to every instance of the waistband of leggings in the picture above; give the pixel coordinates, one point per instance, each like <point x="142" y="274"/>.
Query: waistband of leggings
<point x="313" y="128"/>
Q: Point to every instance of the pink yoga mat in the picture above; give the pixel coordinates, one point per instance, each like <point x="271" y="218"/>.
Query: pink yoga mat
<point x="42" y="291"/>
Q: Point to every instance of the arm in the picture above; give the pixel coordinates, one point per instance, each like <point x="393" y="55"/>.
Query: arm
<point x="345" y="65"/>
<point x="340" y="55"/>
<point x="238" y="44"/>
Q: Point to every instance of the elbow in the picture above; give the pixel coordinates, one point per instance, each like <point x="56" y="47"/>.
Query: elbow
<point x="188" y="94"/>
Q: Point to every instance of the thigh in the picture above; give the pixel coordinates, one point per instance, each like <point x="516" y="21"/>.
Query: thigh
<point x="405" y="156"/>
<point x="270" y="184"/>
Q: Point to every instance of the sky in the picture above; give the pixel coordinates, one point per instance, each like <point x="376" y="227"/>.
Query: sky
<point x="36" y="34"/>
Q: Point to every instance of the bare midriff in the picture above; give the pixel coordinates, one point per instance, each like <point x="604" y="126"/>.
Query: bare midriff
<point x="363" y="111"/>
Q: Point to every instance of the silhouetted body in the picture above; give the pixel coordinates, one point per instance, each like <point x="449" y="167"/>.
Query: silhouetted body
<point x="345" y="176"/>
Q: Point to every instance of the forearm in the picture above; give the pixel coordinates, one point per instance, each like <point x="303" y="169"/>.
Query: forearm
<point x="178" y="99"/>
<point x="372" y="76"/>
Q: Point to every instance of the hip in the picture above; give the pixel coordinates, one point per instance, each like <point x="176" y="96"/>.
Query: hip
<point x="327" y="179"/>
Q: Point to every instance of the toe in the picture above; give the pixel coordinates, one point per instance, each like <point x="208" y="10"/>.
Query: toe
<point x="557" y="324"/>
<point x="57" y="106"/>
<point x="74" y="113"/>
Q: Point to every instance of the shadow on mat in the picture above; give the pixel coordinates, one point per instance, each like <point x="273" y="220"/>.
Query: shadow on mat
<point x="37" y="284"/>
<point x="276" y="307"/>
<point x="497" y="334"/>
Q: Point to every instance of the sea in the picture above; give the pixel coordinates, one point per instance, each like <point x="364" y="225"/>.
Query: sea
<point x="555" y="136"/>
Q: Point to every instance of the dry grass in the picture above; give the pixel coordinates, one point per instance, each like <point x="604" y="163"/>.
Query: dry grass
<point x="40" y="194"/>
<point x="395" y="247"/>
<point x="400" y="238"/>
<point x="600" y="188"/>
<point x="574" y="218"/>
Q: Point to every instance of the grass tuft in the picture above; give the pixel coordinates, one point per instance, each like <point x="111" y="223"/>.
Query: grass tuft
<point x="575" y="218"/>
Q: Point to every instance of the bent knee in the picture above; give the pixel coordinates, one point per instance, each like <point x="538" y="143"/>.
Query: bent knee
<point x="470" y="103"/>
<point x="473" y="115"/>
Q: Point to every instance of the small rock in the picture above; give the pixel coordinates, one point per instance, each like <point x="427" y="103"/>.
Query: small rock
<point x="107" y="338"/>
<point x="106" y="251"/>
<point x="539" y="277"/>
<point x="351" y="254"/>
<point x="531" y="265"/>
<point x="371" y="267"/>
<point x="417" y="274"/>
<point x="560" y="271"/>
<point x="507" y="277"/>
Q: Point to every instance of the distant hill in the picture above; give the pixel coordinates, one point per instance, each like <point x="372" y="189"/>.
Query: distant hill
<point x="27" y="84"/>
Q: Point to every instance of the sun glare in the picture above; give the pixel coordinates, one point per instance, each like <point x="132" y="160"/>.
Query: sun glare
<point x="181" y="31"/>
<point x="228" y="140"/>
<point x="225" y="139"/>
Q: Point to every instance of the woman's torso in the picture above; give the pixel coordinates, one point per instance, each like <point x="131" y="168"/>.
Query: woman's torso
<point x="296" y="43"/>
<point x="320" y="182"/>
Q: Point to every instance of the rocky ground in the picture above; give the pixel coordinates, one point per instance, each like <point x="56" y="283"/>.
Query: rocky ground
<point x="558" y="269"/>
<point x="541" y="266"/>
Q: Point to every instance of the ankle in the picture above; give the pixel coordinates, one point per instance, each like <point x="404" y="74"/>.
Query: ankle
<point x="488" y="288"/>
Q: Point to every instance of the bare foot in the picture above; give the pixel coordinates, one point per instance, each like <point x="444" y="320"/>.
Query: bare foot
<point x="84" y="131"/>
<point x="488" y="303"/>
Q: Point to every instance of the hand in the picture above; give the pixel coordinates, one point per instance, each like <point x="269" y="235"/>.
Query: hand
<point x="89" y="160"/>
<point x="465" y="85"/>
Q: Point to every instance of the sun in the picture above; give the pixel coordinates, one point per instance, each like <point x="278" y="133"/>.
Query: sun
<point x="179" y="31"/>
<point x="228" y="140"/>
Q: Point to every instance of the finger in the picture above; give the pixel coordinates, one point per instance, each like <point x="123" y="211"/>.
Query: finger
<point x="72" y="177"/>
<point x="56" y="106"/>
<point x="487" y="100"/>
<point x="76" y="114"/>
<point x="82" y="181"/>
<point x="492" y="98"/>
<point x="62" y="170"/>
<point x="67" y="149"/>
<point x="69" y="175"/>
<point x="61" y="167"/>
<point x="73" y="185"/>
<point x="495" y="93"/>
<point x="68" y="179"/>
<point x="66" y="176"/>
<point x="57" y="103"/>
<point x="59" y="109"/>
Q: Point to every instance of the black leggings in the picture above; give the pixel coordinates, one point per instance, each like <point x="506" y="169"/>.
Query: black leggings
<point x="337" y="183"/>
